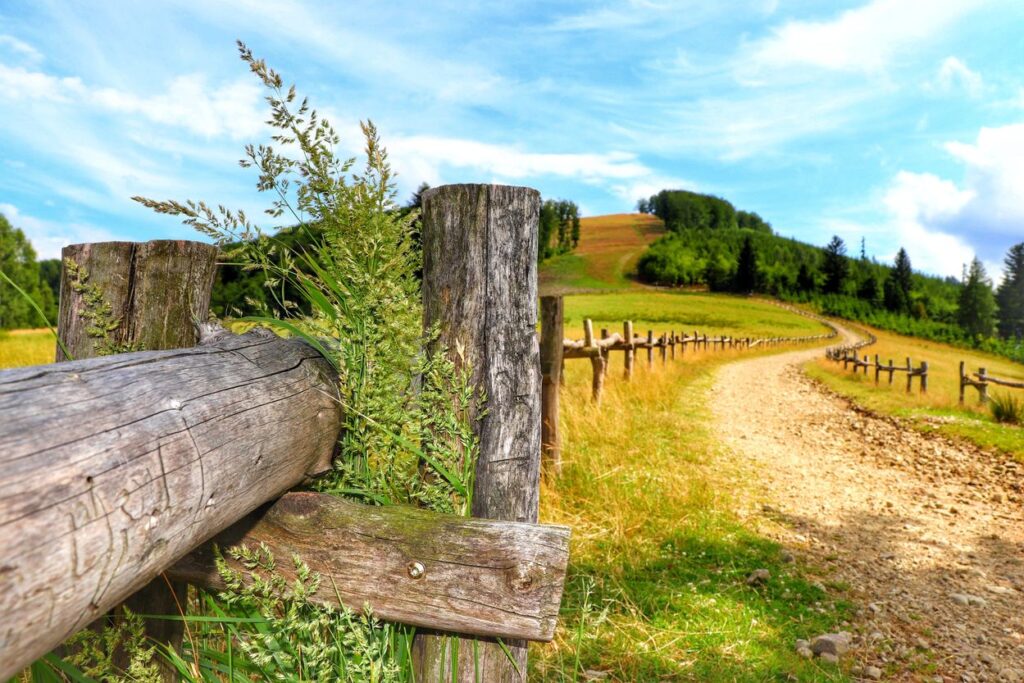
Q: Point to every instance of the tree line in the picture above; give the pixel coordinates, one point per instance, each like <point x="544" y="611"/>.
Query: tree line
<point x="724" y="256"/>
<point x="20" y="269"/>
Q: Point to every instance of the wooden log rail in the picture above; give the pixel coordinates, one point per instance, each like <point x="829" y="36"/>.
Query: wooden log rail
<point x="158" y="451"/>
<point x="981" y="381"/>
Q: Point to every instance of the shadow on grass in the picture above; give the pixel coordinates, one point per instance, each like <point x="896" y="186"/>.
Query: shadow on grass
<point x="687" y="613"/>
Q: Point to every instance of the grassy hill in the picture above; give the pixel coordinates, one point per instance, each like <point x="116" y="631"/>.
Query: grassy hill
<point x="608" y="250"/>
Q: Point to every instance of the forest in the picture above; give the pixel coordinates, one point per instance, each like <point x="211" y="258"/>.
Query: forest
<point x="710" y="242"/>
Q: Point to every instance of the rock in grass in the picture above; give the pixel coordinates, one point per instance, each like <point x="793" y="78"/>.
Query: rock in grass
<point x="759" y="577"/>
<point x="873" y="673"/>
<point x="828" y="657"/>
<point x="835" y="644"/>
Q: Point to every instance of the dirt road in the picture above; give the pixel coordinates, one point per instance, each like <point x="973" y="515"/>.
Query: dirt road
<point x="928" y="534"/>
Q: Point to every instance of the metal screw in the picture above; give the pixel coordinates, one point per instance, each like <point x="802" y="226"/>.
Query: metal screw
<point x="416" y="570"/>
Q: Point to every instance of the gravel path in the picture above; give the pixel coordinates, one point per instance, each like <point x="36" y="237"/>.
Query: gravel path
<point x="928" y="533"/>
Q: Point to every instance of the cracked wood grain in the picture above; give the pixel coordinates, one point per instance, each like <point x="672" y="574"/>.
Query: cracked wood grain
<point x="486" y="577"/>
<point x="113" y="468"/>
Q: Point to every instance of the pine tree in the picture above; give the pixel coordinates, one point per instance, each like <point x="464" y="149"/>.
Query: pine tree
<point x="899" y="284"/>
<point x="746" y="268"/>
<point x="976" y="312"/>
<point x="869" y="290"/>
<point x="836" y="266"/>
<point x="1010" y="296"/>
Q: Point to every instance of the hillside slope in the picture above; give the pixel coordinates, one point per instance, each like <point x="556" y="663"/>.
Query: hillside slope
<point x="608" y="251"/>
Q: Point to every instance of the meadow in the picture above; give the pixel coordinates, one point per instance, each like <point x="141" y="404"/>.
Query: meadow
<point x="19" y="348"/>
<point x="660" y="552"/>
<point x="939" y="409"/>
<point x="605" y="257"/>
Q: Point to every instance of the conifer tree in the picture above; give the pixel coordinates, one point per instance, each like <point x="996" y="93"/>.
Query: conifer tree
<point x="899" y="284"/>
<point x="836" y="266"/>
<point x="976" y="311"/>
<point x="746" y="268"/>
<point x="1010" y="296"/>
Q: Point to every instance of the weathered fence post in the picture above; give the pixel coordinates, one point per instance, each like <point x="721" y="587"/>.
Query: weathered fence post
<point x="983" y="386"/>
<point x="663" y="352"/>
<point x="606" y="352"/>
<point x="480" y="286"/>
<point x="924" y="377"/>
<point x="627" y="330"/>
<point x="134" y="296"/>
<point x="963" y="383"/>
<point x="892" y="370"/>
<point x="878" y="369"/>
<point x="672" y="343"/>
<point x="650" y="349"/>
<point x="552" y="335"/>
<point x="910" y="375"/>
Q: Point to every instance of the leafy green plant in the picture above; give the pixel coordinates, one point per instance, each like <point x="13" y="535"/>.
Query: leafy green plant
<point x="349" y="289"/>
<point x="1007" y="409"/>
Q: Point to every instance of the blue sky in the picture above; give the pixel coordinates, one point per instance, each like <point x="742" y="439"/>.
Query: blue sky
<point x="899" y="121"/>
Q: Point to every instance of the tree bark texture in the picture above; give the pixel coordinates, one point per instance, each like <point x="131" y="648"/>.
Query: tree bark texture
<point x="115" y="467"/>
<point x="150" y="295"/>
<point x="480" y="286"/>
<point x="156" y="292"/>
<point x="486" y="577"/>
<point x="552" y="334"/>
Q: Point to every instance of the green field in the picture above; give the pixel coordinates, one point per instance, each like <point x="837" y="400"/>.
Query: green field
<point x="605" y="257"/>
<point x="939" y="408"/>
<point x="664" y="310"/>
<point x="19" y="348"/>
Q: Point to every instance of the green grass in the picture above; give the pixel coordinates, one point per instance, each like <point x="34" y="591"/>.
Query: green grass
<point x="19" y="348"/>
<point x="663" y="310"/>
<point x="939" y="409"/>
<point x="657" y="585"/>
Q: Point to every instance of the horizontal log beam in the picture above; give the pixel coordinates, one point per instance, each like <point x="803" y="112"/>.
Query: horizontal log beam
<point x="116" y="467"/>
<point x="1001" y="382"/>
<point x="477" y="576"/>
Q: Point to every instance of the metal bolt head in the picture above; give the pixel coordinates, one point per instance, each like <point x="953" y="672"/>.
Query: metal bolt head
<point x="416" y="570"/>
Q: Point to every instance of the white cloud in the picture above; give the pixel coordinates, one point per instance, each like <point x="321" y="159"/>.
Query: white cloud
<point x="48" y="237"/>
<point x="233" y="109"/>
<point x="954" y="75"/>
<point x="917" y="202"/>
<point x="864" y="39"/>
<point x="511" y="163"/>
<point x="995" y="171"/>
<point x="20" y="48"/>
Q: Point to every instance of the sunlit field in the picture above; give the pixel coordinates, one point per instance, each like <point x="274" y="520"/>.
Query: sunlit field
<point x="608" y="251"/>
<point x="663" y="310"/>
<point x="19" y="348"/>
<point x="938" y="409"/>
<point x="659" y="560"/>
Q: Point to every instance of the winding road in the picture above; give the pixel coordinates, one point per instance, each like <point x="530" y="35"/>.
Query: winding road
<point x="927" y="533"/>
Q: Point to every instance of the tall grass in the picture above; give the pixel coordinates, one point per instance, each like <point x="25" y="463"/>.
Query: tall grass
<point x="660" y="551"/>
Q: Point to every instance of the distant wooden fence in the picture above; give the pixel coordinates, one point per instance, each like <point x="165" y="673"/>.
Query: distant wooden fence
<point x="849" y="359"/>
<point x="119" y="468"/>
<point x="555" y="350"/>
<point x="981" y="381"/>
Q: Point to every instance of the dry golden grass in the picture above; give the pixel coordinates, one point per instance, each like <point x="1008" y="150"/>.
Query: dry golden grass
<point x="19" y="348"/>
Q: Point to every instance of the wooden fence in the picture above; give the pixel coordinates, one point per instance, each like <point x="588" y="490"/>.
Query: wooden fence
<point x="555" y="350"/>
<point x="981" y="381"/>
<point x="849" y="359"/>
<point x="120" y="468"/>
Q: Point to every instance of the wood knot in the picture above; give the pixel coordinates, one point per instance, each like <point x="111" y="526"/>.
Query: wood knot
<point x="522" y="579"/>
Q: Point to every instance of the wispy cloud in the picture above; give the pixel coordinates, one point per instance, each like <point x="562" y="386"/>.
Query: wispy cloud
<point x="954" y="75"/>
<point x="863" y="39"/>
